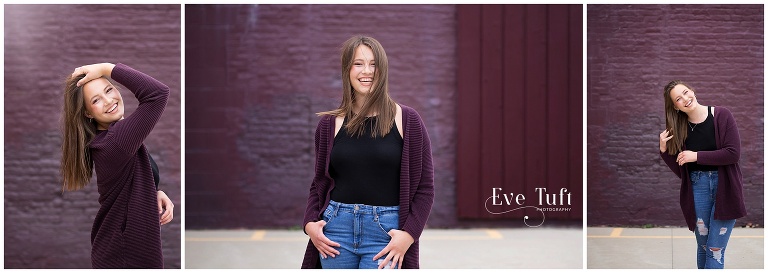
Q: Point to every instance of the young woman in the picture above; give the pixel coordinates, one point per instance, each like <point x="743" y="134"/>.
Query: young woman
<point x="373" y="187"/>
<point x="126" y="230"/>
<point x="702" y="146"/>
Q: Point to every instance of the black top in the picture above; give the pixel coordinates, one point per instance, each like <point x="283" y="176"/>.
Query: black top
<point x="366" y="170"/>
<point x="701" y="137"/>
<point x="155" y="171"/>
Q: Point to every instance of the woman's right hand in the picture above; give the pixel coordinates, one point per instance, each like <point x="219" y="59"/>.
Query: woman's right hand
<point x="322" y="243"/>
<point x="93" y="71"/>
<point x="663" y="138"/>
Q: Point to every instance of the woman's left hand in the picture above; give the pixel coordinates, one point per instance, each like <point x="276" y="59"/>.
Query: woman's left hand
<point x="396" y="248"/>
<point x="93" y="71"/>
<point x="164" y="202"/>
<point x="686" y="156"/>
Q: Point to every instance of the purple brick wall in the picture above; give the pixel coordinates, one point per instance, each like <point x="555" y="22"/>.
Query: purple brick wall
<point x="633" y="51"/>
<point x="257" y="74"/>
<point x="43" y="44"/>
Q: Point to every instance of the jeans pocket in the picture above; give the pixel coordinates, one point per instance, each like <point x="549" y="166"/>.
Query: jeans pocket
<point x="387" y="222"/>
<point x="328" y="216"/>
<point x="695" y="178"/>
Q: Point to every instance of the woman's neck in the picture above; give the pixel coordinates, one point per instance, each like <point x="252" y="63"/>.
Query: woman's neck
<point x="357" y="105"/>
<point x="698" y="115"/>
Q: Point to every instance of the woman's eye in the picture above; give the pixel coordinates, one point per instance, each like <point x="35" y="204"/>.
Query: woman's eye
<point x="108" y="90"/>
<point x="95" y="101"/>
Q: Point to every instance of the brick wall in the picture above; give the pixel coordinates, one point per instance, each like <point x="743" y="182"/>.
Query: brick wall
<point x="633" y="51"/>
<point x="257" y="74"/>
<point x="43" y="44"/>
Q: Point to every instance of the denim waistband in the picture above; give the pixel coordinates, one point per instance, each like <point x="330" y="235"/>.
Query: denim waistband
<point x="363" y="209"/>
<point x="695" y="175"/>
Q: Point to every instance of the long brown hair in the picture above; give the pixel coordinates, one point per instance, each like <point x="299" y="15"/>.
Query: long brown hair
<point x="78" y="131"/>
<point x="377" y="100"/>
<point x="677" y="121"/>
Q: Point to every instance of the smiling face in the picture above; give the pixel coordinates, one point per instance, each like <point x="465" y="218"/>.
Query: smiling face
<point x="103" y="102"/>
<point x="362" y="70"/>
<point x="683" y="98"/>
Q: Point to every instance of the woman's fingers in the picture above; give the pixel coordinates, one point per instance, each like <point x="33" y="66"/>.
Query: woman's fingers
<point x="164" y="208"/>
<point x="88" y="77"/>
<point x="93" y="71"/>
<point x="395" y="260"/>
<point x="321" y="242"/>
<point x="381" y="253"/>
<point x="320" y="249"/>
<point x="167" y="215"/>
<point x="665" y="135"/>
<point x="386" y="260"/>
<point x="327" y="241"/>
<point x="325" y="249"/>
<point x="164" y="219"/>
<point x="330" y="244"/>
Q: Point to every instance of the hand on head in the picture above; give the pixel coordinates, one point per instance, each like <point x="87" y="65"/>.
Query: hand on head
<point x="93" y="71"/>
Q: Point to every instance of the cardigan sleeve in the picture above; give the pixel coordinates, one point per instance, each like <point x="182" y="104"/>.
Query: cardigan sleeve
<point x="421" y="205"/>
<point x="671" y="162"/>
<point x="730" y="150"/>
<point x="129" y="133"/>
<point x="313" y="202"/>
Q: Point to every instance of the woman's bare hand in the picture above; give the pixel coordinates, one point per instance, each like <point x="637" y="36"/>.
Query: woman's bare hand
<point x="663" y="138"/>
<point x="93" y="71"/>
<point x="322" y="243"/>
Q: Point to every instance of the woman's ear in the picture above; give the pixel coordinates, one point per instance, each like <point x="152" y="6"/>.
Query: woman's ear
<point x="88" y="115"/>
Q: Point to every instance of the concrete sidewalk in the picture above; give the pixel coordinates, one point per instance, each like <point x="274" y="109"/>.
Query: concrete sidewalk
<point x="666" y="248"/>
<point x="440" y="248"/>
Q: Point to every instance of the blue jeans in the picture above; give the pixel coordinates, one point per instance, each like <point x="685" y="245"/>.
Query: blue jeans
<point x="361" y="230"/>
<point x="710" y="249"/>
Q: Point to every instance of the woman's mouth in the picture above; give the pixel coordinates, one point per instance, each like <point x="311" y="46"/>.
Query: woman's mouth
<point x="112" y="109"/>
<point x="366" y="81"/>
<point x="689" y="103"/>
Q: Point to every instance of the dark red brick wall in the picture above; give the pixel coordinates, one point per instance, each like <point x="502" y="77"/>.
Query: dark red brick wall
<point x="43" y="44"/>
<point x="633" y="51"/>
<point x="257" y="74"/>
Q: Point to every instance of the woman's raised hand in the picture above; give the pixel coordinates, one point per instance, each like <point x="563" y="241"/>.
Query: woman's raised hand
<point x="663" y="138"/>
<point x="93" y="71"/>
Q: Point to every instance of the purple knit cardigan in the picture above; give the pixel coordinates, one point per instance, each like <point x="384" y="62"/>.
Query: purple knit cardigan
<point x="416" y="183"/>
<point x="729" y="197"/>
<point x="126" y="230"/>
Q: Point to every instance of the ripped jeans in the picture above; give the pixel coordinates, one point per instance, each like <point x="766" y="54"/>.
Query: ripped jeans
<point x="711" y="235"/>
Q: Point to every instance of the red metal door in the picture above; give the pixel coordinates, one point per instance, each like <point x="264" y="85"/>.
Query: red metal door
<point x="519" y="110"/>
